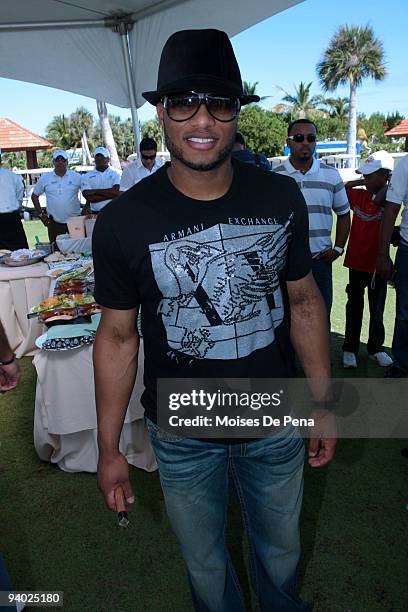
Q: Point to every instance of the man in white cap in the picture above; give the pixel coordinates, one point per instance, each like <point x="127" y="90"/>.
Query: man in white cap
<point x="367" y="206"/>
<point x="61" y="189"/>
<point x="143" y="167"/>
<point x="397" y="194"/>
<point x="12" y="234"/>
<point x="101" y="185"/>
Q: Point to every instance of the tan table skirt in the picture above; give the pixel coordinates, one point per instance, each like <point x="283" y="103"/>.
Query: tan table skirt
<point x="65" y="414"/>
<point x="20" y="289"/>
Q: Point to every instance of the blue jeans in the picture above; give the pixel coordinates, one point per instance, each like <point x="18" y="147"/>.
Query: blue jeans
<point x="322" y="273"/>
<point x="267" y="476"/>
<point x="400" y="339"/>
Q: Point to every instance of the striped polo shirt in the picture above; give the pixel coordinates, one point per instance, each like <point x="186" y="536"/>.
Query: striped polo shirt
<point x="324" y="192"/>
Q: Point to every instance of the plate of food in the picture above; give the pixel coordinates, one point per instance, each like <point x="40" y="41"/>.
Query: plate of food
<point x="65" y="302"/>
<point x="24" y="257"/>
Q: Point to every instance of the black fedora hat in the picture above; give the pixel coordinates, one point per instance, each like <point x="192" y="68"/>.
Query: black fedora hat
<point x="201" y="61"/>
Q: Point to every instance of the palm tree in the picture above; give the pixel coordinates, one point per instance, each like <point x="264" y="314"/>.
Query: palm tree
<point x="353" y="54"/>
<point x="301" y="104"/>
<point x="107" y="135"/>
<point x="81" y="120"/>
<point x="338" y="107"/>
<point x="250" y="89"/>
<point x="59" y="132"/>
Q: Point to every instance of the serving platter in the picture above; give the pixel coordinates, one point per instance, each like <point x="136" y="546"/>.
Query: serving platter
<point x="63" y="344"/>
<point x="8" y="261"/>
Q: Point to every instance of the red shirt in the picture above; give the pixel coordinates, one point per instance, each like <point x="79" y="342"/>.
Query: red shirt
<point x="362" y="246"/>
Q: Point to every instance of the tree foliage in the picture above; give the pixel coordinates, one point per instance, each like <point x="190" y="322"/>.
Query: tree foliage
<point x="66" y="132"/>
<point x="264" y="131"/>
<point x="353" y="54"/>
<point x="338" y="107"/>
<point x="250" y="89"/>
<point x="153" y="129"/>
<point x="301" y="104"/>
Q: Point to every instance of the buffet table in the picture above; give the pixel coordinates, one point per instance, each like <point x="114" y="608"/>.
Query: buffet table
<point x="20" y="289"/>
<point x="65" y="413"/>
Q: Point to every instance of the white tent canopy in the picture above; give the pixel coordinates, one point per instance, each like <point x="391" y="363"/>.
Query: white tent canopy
<point x="73" y="46"/>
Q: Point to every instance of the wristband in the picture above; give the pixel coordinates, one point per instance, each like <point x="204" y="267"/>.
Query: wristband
<point x="338" y="249"/>
<point x="8" y="362"/>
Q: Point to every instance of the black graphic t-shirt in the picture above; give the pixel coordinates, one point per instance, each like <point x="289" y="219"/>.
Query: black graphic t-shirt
<point x="209" y="276"/>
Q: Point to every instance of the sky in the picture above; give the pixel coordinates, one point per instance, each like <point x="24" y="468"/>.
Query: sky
<point x="282" y="50"/>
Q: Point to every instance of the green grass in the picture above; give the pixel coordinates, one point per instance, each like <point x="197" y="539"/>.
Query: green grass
<point x="33" y="229"/>
<point x="56" y="534"/>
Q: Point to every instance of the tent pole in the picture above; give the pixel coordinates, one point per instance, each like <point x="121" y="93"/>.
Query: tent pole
<point x="123" y="31"/>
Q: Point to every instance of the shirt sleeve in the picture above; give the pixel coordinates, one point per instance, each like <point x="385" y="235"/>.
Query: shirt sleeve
<point x="115" y="285"/>
<point x="39" y="188"/>
<point x="397" y="192"/>
<point x="299" y="256"/>
<point x="126" y="181"/>
<point x="340" y="201"/>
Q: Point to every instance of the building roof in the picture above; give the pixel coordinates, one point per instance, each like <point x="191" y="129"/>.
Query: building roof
<point x="14" y="137"/>
<point x="399" y="130"/>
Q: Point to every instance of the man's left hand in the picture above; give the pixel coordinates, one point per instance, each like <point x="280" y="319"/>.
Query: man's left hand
<point x="322" y="444"/>
<point x="329" y="256"/>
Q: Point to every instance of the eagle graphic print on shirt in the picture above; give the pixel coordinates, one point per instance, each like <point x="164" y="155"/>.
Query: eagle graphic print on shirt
<point x="220" y="287"/>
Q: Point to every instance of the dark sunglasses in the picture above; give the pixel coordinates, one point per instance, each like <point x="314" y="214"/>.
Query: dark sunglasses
<point x="148" y="156"/>
<point x="182" y="107"/>
<point x="302" y="137"/>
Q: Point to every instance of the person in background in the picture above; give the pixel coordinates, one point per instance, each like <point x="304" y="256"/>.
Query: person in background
<point x="362" y="250"/>
<point x="12" y="235"/>
<point x="61" y="189"/>
<point x="145" y="166"/>
<point x="101" y="185"/>
<point x="397" y="194"/>
<point x="241" y="153"/>
<point x="324" y="192"/>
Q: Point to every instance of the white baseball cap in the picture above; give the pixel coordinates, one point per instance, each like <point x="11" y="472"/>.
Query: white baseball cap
<point x="102" y="151"/>
<point x="60" y="153"/>
<point x="376" y="161"/>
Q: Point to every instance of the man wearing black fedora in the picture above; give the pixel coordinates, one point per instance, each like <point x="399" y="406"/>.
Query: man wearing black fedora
<point x="207" y="247"/>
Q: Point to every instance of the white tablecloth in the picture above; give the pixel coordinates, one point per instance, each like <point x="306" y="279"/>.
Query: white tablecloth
<point x="65" y="413"/>
<point x="66" y="244"/>
<point x="20" y="289"/>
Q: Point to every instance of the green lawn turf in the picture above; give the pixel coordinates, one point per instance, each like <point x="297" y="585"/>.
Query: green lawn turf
<point x="56" y="534"/>
<point x="33" y="229"/>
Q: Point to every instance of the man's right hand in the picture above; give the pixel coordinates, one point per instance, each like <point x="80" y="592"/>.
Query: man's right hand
<point x="112" y="472"/>
<point x="384" y="266"/>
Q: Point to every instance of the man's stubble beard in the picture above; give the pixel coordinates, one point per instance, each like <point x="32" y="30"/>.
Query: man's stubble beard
<point x="176" y="153"/>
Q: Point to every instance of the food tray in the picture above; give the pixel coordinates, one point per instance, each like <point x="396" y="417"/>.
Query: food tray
<point x="63" y="344"/>
<point x="6" y="260"/>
